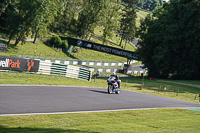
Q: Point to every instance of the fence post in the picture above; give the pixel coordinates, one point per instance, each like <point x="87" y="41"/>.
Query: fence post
<point x="177" y="92"/>
<point x="199" y="97"/>
<point x="142" y="86"/>
<point x="195" y="97"/>
<point x="159" y="88"/>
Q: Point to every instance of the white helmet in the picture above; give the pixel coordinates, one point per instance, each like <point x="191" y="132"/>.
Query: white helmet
<point x="113" y="73"/>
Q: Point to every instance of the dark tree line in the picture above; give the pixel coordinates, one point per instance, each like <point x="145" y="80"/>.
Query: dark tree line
<point x="22" y="18"/>
<point x="170" y="40"/>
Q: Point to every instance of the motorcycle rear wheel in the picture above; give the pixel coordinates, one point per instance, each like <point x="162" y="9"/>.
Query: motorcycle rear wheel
<point x="109" y="89"/>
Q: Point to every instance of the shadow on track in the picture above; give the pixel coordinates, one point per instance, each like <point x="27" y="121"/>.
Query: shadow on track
<point x="104" y="92"/>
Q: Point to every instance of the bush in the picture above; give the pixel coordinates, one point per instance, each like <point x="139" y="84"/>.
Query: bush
<point x="64" y="44"/>
<point x="56" y="41"/>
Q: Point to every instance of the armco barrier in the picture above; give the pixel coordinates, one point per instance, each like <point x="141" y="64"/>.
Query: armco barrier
<point x="50" y="68"/>
<point x="115" y="70"/>
<point x="68" y="61"/>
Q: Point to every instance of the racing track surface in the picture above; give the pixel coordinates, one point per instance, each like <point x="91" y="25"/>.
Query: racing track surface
<point x="21" y="99"/>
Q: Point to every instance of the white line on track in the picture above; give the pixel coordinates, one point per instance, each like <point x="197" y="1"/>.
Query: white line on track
<point x="90" y="111"/>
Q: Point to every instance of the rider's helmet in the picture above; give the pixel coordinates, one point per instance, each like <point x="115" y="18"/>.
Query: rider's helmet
<point x="113" y="73"/>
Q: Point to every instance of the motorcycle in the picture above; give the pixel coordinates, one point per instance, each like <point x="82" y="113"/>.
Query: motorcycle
<point x="113" y="85"/>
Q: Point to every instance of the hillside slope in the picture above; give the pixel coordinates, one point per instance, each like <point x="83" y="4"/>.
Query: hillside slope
<point x="41" y="50"/>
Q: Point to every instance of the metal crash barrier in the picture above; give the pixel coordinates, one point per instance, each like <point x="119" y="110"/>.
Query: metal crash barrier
<point x="50" y="68"/>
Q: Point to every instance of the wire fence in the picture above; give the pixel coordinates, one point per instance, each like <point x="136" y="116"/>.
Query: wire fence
<point x="181" y="92"/>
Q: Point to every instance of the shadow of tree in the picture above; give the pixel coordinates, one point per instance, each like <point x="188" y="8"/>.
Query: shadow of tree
<point x="66" y="53"/>
<point x="10" y="46"/>
<point x="107" y="41"/>
<point x="4" y="129"/>
<point x="70" y="55"/>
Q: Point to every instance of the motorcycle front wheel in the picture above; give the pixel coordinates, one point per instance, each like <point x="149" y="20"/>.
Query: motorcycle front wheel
<point x="118" y="91"/>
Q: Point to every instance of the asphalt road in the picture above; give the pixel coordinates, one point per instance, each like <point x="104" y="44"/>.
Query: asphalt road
<point x="49" y="99"/>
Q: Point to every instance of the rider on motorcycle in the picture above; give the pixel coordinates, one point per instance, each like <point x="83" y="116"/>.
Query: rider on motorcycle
<point x="116" y="78"/>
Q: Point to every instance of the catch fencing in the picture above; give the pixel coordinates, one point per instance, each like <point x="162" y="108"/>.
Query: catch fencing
<point x="68" y="61"/>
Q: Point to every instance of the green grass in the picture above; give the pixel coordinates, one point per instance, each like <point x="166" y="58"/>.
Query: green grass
<point x="26" y="78"/>
<point x="29" y="48"/>
<point x="193" y="82"/>
<point x="185" y="92"/>
<point x="140" y="15"/>
<point x="138" y="121"/>
<point x="40" y="49"/>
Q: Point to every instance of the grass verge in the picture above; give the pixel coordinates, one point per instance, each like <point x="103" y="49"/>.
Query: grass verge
<point x="142" y="121"/>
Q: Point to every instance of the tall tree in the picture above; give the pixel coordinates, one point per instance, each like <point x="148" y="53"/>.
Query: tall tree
<point x="170" y="45"/>
<point x="10" y="21"/>
<point x="128" y="22"/>
<point x="44" y="12"/>
<point x="66" y="16"/>
<point x="89" y="16"/>
<point x="110" y="19"/>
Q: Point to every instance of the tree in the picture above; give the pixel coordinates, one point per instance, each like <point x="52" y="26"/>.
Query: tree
<point x="23" y="17"/>
<point x="8" y="25"/>
<point x="44" y="12"/>
<point x="4" y="4"/>
<point x="110" y="19"/>
<point x="89" y="16"/>
<point x="10" y="21"/>
<point x="170" y="43"/>
<point x="128" y="22"/>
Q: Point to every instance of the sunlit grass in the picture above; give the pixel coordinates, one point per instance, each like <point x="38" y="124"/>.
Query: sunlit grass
<point x="146" y="121"/>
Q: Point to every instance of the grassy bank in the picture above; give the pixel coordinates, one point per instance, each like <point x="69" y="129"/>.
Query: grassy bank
<point x="142" y="121"/>
<point x="42" y="50"/>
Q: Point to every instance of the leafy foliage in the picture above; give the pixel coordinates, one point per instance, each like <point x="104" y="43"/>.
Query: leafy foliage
<point x="128" y="21"/>
<point x="169" y="45"/>
<point x="56" y="41"/>
<point x="110" y="19"/>
<point x="24" y="18"/>
<point x="89" y="17"/>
